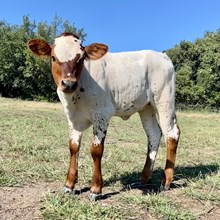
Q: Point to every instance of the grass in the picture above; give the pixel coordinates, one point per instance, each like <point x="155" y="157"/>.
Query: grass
<point x="34" y="148"/>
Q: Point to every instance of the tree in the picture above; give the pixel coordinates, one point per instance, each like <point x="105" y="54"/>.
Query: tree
<point x="198" y="71"/>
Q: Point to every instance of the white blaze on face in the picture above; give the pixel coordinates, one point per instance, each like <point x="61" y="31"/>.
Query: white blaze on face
<point x="66" y="48"/>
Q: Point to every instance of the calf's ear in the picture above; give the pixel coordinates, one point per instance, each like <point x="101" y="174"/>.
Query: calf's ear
<point x="39" y="47"/>
<point x="96" y="50"/>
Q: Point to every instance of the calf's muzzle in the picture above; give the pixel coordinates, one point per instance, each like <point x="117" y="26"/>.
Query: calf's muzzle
<point x="69" y="85"/>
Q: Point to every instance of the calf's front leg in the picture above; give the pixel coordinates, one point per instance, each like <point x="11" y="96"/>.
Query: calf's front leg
<point x="97" y="182"/>
<point x="72" y="174"/>
<point x="96" y="149"/>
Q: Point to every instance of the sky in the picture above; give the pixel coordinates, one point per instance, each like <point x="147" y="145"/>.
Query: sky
<point x="124" y="25"/>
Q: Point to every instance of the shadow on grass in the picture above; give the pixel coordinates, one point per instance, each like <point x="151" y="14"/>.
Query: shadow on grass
<point x="181" y="178"/>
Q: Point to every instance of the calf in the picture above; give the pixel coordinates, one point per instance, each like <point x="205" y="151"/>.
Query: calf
<point x="93" y="85"/>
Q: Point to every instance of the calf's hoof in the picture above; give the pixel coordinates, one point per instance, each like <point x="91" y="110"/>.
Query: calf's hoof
<point x="69" y="191"/>
<point x="165" y="185"/>
<point x="94" y="197"/>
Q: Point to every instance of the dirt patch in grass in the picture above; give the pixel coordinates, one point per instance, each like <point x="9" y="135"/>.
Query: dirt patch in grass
<point x="202" y="210"/>
<point x="24" y="203"/>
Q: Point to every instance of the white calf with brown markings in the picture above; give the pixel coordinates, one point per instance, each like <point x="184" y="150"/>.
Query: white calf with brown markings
<point x="94" y="85"/>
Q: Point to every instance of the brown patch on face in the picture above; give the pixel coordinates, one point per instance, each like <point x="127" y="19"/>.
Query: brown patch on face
<point x="56" y="70"/>
<point x="69" y="67"/>
<point x="70" y="70"/>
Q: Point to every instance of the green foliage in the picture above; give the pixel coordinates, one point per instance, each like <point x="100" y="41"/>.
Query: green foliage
<point x="198" y="72"/>
<point x="21" y="74"/>
<point x="24" y="76"/>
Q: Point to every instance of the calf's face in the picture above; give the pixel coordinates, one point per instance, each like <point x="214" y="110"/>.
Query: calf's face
<point x="67" y="56"/>
<point x="66" y="59"/>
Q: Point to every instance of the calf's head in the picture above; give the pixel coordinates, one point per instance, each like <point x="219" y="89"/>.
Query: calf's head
<point x="67" y="55"/>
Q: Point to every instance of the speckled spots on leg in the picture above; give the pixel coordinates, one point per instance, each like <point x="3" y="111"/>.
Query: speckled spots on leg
<point x="100" y="125"/>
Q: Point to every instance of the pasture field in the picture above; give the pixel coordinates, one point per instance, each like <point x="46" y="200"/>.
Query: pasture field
<point x="34" y="157"/>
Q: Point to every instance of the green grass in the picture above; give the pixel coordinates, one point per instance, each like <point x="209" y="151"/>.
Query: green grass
<point x="34" y="148"/>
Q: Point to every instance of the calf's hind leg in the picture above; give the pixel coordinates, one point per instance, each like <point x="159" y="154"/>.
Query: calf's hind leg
<point x="153" y="132"/>
<point x="171" y="134"/>
<point x="171" y="144"/>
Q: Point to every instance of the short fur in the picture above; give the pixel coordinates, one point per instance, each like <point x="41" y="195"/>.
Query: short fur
<point x="114" y="84"/>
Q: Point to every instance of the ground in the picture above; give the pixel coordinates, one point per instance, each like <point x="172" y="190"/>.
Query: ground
<point x="34" y="158"/>
<point x="23" y="203"/>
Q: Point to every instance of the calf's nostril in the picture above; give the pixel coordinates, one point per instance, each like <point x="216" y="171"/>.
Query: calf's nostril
<point x="74" y="85"/>
<point x="66" y="83"/>
<point x="63" y="82"/>
<point x="69" y="85"/>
